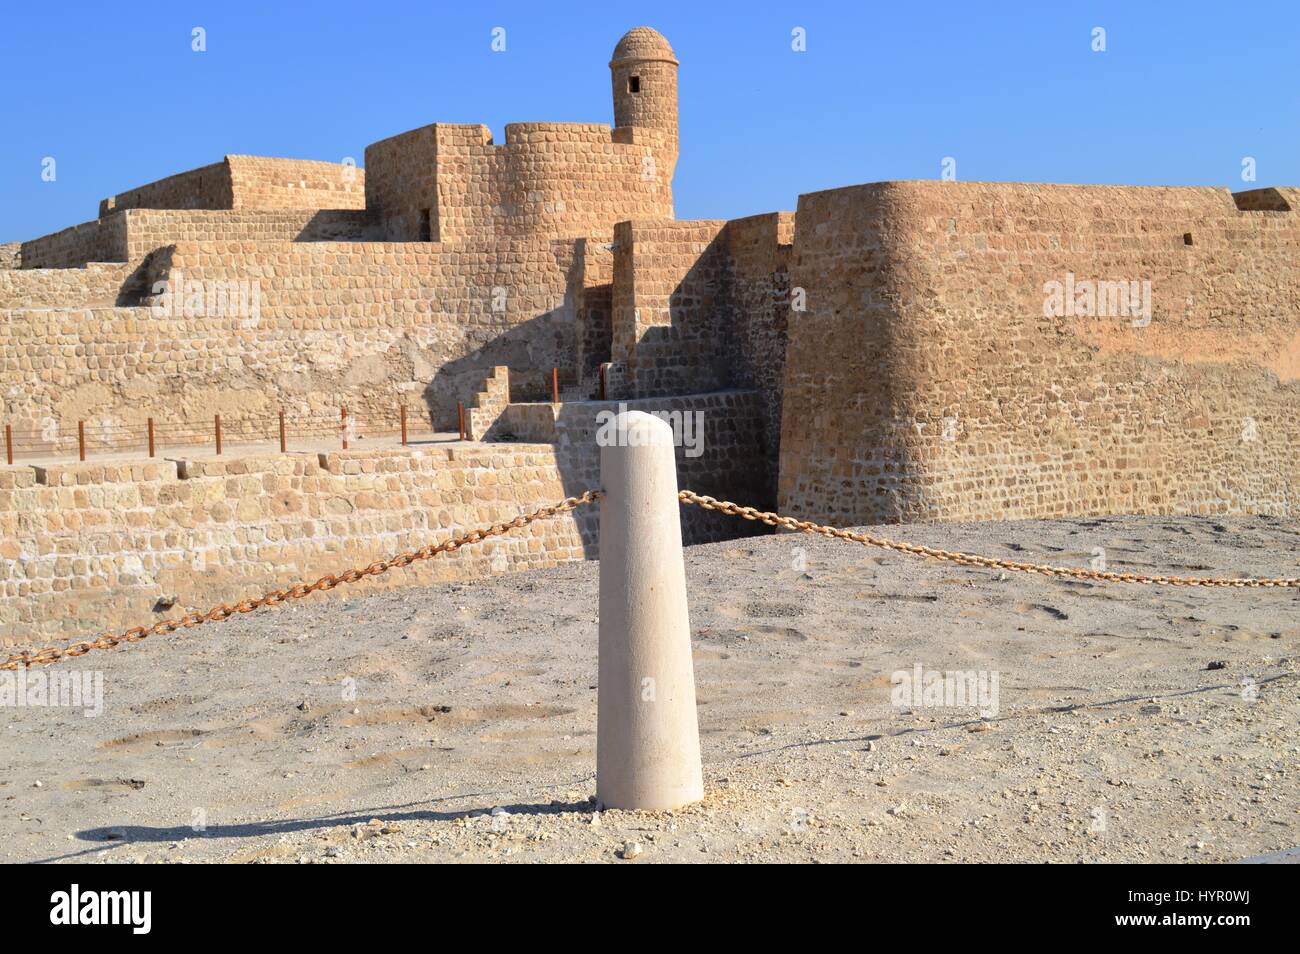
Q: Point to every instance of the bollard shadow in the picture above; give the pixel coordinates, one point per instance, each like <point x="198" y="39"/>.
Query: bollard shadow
<point x="113" y="837"/>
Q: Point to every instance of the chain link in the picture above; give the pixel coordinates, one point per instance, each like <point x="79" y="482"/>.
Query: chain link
<point x="51" y="654"/>
<point x="970" y="559"/>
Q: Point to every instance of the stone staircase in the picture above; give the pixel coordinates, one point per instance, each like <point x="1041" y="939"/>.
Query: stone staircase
<point x="488" y="405"/>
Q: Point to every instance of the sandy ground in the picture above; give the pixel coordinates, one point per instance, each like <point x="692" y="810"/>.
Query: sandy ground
<point x="457" y="722"/>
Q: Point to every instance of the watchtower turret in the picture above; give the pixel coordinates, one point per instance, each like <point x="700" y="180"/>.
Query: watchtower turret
<point x="644" y="70"/>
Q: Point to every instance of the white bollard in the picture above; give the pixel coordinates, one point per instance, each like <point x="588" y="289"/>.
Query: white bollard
<point x="647" y="735"/>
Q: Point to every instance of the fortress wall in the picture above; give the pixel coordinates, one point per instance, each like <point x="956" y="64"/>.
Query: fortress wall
<point x="91" y="285"/>
<point x="720" y="453"/>
<point x="277" y="200"/>
<point x="363" y="324"/>
<point x="151" y="229"/>
<point x="207" y="187"/>
<point x="132" y="234"/>
<point x="667" y="325"/>
<point x="103" y="240"/>
<point x="89" y="547"/>
<point x="758" y="312"/>
<point x="260" y="182"/>
<point x="699" y="306"/>
<point x="925" y="381"/>
<point x="250" y="182"/>
<point x="419" y="318"/>
<point x="593" y="305"/>
<point x="402" y="180"/>
<point x="553" y="180"/>
<point x="549" y="179"/>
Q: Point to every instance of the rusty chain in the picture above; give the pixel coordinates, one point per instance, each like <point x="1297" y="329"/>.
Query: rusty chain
<point x="969" y="559"/>
<point x="51" y="654"/>
<point x="224" y="611"/>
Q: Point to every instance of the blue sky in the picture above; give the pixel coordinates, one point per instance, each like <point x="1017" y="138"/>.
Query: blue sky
<point x="1012" y="91"/>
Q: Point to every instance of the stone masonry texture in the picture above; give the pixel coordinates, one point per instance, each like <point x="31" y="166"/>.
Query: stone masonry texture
<point x="925" y="382"/>
<point x="887" y="352"/>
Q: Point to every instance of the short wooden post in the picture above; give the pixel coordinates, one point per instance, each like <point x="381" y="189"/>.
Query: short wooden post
<point x="282" y="440"/>
<point x="647" y="732"/>
<point x="150" y="422"/>
<point x="216" y="421"/>
<point x="81" y="440"/>
<point x="344" y="428"/>
<point x="403" y="415"/>
<point x="460" y="413"/>
<point x="555" y="385"/>
<point x="9" y="444"/>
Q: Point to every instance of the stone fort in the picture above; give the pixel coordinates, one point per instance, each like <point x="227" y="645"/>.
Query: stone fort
<point x="885" y="353"/>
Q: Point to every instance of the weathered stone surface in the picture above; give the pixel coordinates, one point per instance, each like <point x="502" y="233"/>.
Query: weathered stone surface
<point x="882" y="354"/>
<point x="925" y="380"/>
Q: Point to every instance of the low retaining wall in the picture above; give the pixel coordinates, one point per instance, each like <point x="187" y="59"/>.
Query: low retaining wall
<point x="91" y="547"/>
<point x="85" y="548"/>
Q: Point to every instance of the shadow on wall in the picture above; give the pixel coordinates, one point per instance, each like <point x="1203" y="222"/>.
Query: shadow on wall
<point x="528" y="349"/>
<point x="719" y="453"/>
<point x="679" y="347"/>
<point x="722" y="324"/>
<point x="342" y="225"/>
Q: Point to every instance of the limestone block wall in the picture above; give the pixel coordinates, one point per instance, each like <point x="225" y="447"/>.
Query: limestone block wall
<point x="593" y="308"/>
<point x="925" y="380"/>
<point x="259" y="182"/>
<point x="151" y="229"/>
<point x="420" y="319"/>
<point x="131" y="235"/>
<point x="698" y="306"/>
<point x="668" y="306"/>
<point x="250" y="182"/>
<point x="720" y="453"/>
<point x="402" y="187"/>
<point x="370" y="325"/>
<point x="11" y="255"/>
<point x="85" y="548"/>
<point x="95" y="285"/>
<point x="207" y="187"/>
<point x="103" y="240"/>
<point x="758" y="312"/>
<point x="88" y="547"/>
<point x="451" y="183"/>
